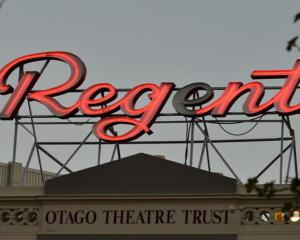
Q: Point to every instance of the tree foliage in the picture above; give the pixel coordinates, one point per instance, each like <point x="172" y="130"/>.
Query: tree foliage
<point x="268" y="191"/>
<point x="293" y="42"/>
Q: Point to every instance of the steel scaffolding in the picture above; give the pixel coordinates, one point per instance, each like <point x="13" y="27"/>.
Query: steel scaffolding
<point x="192" y="138"/>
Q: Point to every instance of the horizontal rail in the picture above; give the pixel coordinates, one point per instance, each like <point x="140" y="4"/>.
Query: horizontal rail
<point x="176" y="89"/>
<point x="159" y="122"/>
<point x="160" y="115"/>
<point x="172" y="142"/>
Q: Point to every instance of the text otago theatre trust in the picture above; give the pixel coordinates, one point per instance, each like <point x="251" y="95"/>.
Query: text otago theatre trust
<point x="130" y="216"/>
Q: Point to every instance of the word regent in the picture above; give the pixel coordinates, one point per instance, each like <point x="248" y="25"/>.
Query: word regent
<point x="141" y="118"/>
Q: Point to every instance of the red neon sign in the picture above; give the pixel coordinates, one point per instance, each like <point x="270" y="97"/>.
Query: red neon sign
<point x="140" y="118"/>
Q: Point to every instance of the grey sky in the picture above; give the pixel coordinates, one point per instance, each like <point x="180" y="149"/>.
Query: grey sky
<point x="131" y="42"/>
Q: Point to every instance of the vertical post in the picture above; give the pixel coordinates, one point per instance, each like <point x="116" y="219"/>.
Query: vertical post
<point x="292" y="133"/>
<point x="27" y="165"/>
<point x="14" y="148"/>
<point x="192" y="141"/>
<point x="202" y="153"/>
<point x="99" y="152"/>
<point x="118" y="151"/>
<point x="206" y="145"/>
<point x="187" y="138"/>
<point x="113" y="153"/>
<point x="289" y="165"/>
<point x="207" y="156"/>
<point x="21" y="70"/>
<point x="295" y="157"/>
<point x="14" y="174"/>
<point x="205" y="142"/>
<point x="36" y="143"/>
<point x="281" y="150"/>
<point x="116" y="147"/>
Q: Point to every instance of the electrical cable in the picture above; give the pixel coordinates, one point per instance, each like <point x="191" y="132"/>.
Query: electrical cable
<point x="78" y="124"/>
<point x="244" y="133"/>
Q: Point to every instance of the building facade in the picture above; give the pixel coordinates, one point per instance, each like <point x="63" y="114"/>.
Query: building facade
<point x="142" y="197"/>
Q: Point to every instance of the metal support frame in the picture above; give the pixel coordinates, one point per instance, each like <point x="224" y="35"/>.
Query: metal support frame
<point x="219" y="153"/>
<point x="36" y="144"/>
<point x="191" y="142"/>
<point x="198" y="141"/>
<point x="273" y="161"/>
<point x="281" y="150"/>
<point x="74" y="153"/>
<point x="14" y="148"/>
<point x="99" y="153"/>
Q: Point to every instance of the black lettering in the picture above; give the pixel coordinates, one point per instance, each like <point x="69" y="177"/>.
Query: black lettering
<point x="159" y="216"/>
<point x="197" y="216"/>
<point x="91" y="217"/>
<point x="50" y="219"/>
<point x="226" y="216"/>
<point x="118" y="216"/>
<point x="61" y="216"/>
<point x="170" y="216"/>
<point x="205" y="214"/>
<point x="69" y="218"/>
<point x="186" y="216"/>
<point x="78" y="217"/>
<point x="140" y="218"/>
<point x="217" y="219"/>
<point x="129" y="216"/>
<point x="149" y="215"/>
<point x="107" y="215"/>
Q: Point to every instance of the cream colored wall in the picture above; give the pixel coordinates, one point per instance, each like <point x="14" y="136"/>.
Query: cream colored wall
<point x="17" y="237"/>
<point x="33" y="198"/>
<point x="11" y="174"/>
<point x="269" y="237"/>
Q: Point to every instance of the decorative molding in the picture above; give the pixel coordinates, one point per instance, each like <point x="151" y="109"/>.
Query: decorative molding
<point x="19" y="216"/>
<point x="261" y="216"/>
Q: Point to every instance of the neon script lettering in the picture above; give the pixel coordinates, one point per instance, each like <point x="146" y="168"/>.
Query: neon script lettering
<point x="89" y="103"/>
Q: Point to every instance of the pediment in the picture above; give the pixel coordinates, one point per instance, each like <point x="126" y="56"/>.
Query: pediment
<point x="141" y="174"/>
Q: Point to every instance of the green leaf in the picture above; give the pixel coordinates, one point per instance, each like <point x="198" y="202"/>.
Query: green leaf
<point x="295" y="185"/>
<point x="251" y="184"/>
<point x="287" y="206"/>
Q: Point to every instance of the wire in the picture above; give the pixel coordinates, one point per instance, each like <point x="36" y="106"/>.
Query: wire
<point x="244" y="133"/>
<point x="78" y="124"/>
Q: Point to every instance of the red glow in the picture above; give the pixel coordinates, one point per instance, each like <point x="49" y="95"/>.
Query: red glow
<point x="147" y="113"/>
<point x="140" y="118"/>
<point x="283" y="98"/>
<point x="252" y="106"/>
<point x="267" y="74"/>
<point x="16" y="99"/>
<point x="77" y="76"/>
<point x="233" y="91"/>
<point x="100" y="129"/>
<point x="87" y="100"/>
